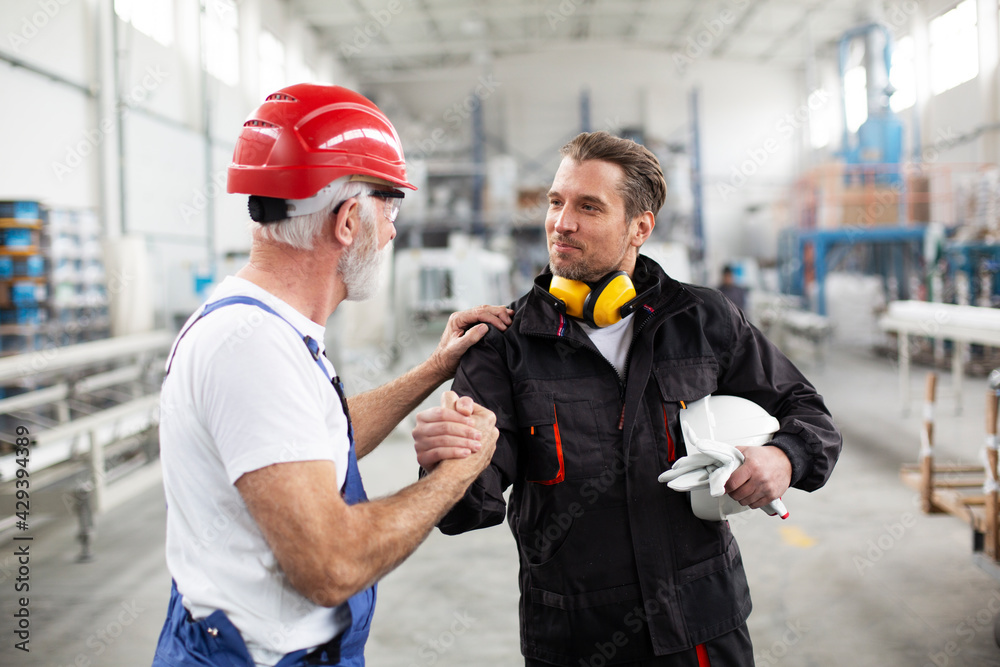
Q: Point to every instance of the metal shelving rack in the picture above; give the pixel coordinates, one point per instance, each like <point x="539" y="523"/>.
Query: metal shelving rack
<point x="23" y="284"/>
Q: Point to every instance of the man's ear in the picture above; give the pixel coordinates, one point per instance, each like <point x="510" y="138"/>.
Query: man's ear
<point x="346" y="222"/>
<point x="643" y="229"/>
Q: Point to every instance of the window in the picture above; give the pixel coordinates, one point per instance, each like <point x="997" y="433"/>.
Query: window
<point x="902" y="76"/>
<point x="272" y="63"/>
<point x="222" y="44"/>
<point x="150" y="17"/>
<point x="856" y="97"/>
<point x="819" y="118"/>
<point x="954" y="52"/>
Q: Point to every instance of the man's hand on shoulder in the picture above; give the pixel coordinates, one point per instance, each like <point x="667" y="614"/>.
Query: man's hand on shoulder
<point x="460" y="334"/>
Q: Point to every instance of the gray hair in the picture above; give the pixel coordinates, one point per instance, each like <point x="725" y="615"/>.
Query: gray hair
<point x="300" y="231"/>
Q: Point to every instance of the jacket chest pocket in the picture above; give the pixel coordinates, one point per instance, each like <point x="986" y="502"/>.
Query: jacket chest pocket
<point x="679" y="383"/>
<point x="557" y="438"/>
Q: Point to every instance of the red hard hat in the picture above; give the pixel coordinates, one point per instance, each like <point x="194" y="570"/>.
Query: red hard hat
<point x="305" y="136"/>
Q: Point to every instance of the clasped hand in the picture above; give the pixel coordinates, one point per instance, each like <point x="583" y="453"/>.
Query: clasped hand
<point x="458" y="429"/>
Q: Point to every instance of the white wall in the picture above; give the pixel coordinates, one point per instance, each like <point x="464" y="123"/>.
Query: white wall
<point x="56" y="133"/>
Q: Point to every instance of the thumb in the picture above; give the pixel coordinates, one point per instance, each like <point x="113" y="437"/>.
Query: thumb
<point x="473" y="335"/>
<point x="449" y="399"/>
<point x="465" y="406"/>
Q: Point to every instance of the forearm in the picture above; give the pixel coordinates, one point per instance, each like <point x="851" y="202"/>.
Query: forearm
<point x="375" y="413"/>
<point x="388" y="530"/>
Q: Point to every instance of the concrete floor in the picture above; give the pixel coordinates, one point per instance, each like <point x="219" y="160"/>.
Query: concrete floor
<point x="856" y="576"/>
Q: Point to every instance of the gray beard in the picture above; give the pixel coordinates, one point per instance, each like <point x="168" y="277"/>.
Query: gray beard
<point x="360" y="266"/>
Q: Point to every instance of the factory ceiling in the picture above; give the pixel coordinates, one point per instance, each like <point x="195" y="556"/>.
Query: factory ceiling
<point x="389" y="39"/>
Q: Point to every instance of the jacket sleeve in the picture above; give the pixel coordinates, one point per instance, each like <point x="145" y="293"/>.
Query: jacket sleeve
<point x="482" y="375"/>
<point x="754" y="368"/>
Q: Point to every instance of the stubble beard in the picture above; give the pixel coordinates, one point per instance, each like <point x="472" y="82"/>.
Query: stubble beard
<point x="586" y="270"/>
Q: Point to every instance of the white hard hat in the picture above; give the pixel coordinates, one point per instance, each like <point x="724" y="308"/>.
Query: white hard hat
<point x="735" y="421"/>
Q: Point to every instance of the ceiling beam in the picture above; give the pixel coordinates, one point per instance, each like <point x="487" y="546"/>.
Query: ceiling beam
<point x="320" y="14"/>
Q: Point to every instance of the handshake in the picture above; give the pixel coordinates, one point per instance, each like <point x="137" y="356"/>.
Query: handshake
<point x="459" y="432"/>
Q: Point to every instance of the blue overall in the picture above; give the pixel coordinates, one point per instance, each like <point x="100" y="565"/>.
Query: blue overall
<point x="214" y="641"/>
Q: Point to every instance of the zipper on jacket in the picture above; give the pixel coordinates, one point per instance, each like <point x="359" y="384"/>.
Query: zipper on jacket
<point x="641" y="325"/>
<point x="635" y="336"/>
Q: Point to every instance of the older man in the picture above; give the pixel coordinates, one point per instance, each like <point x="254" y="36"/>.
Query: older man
<point x="587" y="384"/>
<point x="273" y="550"/>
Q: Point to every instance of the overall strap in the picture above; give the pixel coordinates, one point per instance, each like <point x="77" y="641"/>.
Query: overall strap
<point x="310" y="342"/>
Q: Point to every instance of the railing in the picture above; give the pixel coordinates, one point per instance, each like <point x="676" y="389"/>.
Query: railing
<point x="91" y="413"/>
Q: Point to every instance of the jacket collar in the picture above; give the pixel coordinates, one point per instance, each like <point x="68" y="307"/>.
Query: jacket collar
<point x="666" y="297"/>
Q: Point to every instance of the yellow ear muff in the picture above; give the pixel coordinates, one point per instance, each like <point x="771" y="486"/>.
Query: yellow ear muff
<point x="599" y="306"/>
<point x="603" y="305"/>
<point x="571" y="292"/>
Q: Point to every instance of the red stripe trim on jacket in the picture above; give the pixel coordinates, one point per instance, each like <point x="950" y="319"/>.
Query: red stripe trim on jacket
<point x="702" y="656"/>
<point x="671" y="454"/>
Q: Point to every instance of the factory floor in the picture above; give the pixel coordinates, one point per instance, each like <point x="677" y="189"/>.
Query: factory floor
<point x="856" y="576"/>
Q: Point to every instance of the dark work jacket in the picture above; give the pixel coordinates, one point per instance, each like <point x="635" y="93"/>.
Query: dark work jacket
<point x="608" y="555"/>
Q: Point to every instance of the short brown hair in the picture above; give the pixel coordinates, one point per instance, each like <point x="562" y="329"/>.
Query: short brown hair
<point x="643" y="188"/>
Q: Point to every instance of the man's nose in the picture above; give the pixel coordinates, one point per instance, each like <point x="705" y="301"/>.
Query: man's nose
<point x="565" y="222"/>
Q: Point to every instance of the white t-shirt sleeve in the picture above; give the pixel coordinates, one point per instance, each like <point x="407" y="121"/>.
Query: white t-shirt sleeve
<point x="267" y="402"/>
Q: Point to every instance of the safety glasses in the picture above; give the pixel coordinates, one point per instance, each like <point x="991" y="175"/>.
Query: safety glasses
<point x="391" y="198"/>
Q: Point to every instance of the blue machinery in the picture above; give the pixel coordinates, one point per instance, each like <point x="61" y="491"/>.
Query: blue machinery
<point x="801" y="252"/>
<point x="872" y="157"/>
<point x="980" y="262"/>
<point x="894" y="253"/>
<point x="879" y="140"/>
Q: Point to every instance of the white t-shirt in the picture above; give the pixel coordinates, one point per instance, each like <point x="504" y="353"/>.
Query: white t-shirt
<point x="243" y="392"/>
<point x="613" y="341"/>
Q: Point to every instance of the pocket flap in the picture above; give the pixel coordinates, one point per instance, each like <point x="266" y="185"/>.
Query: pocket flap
<point x="687" y="379"/>
<point x="535" y="408"/>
